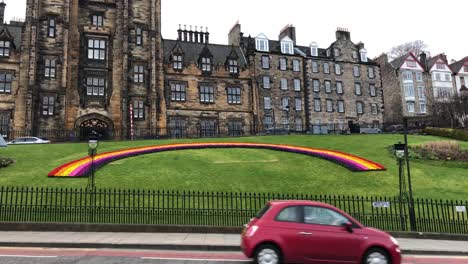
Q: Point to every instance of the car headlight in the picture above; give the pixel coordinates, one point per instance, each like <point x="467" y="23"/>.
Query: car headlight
<point x="394" y="241"/>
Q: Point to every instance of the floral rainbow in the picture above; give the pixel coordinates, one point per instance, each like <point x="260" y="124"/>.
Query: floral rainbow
<point x="82" y="167"/>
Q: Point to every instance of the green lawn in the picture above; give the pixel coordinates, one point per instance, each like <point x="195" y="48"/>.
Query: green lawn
<point x="245" y="170"/>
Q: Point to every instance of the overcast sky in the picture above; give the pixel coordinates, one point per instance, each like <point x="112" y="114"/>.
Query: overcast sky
<point x="380" y="24"/>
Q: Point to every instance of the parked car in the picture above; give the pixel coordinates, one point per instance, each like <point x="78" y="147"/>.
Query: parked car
<point x="395" y="128"/>
<point x="314" y="232"/>
<point x="28" y="140"/>
<point x="370" y="130"/>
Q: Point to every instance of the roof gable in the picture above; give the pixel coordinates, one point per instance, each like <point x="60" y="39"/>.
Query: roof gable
<point x="406" y="62"/>
<point x="287" y="39"/>
<point x="261" y="36"/>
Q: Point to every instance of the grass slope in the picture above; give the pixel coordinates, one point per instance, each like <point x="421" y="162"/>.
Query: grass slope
<point x="245" y="170"/>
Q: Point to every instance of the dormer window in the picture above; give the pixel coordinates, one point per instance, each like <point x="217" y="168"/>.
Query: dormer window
<point x="51" y="26"/>
<point x="177" y="62"/>
<point x="336" y="52"/>
<point x="287" y="46"/>
<point x="363" y="53"/>
<point x="4" y="48"/>
<point x="355" y="55"/>
<point x="233" y="66"/>
<point x="261" y="43"/>
<point x="314" y="49"/>
<point x="206" y="64"/>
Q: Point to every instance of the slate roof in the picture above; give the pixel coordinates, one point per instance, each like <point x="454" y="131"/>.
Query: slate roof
<point x="431" y="61"/>
<point x="396" y="63"/>
<point x="192" y="51"/>
<point x="456" y="66"/>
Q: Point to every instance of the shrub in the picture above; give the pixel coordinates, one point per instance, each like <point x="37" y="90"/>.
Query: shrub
<point x="439" y="150"/>
<point x="447" y="132"/>
<point x="5" y="162"/>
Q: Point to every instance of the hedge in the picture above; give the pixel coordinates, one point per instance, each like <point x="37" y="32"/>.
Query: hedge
<point x="447" y="132"/>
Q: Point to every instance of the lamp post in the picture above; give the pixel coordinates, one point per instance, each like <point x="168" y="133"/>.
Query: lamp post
<point x="93" y="144"/>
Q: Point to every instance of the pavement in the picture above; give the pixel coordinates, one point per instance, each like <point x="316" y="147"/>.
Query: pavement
<point x="187" y="241"/>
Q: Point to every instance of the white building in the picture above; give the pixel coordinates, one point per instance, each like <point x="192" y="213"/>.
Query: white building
<point x="441" y="75"/>
<point x="460" y="72"/>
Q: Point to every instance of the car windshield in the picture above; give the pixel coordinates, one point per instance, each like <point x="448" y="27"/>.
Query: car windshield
<point x="262" y="211"/>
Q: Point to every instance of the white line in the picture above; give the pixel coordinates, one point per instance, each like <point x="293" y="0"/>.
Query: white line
<point x="436" y="257"/>
<point x="26" y="256"/>
<point x="192" y="259"/>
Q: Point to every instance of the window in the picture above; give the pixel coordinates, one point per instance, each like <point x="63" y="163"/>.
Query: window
<point x="267" y="103"/>
<point x="51" y="26"/>
<point x="4" y="123"/>
<point x="296" y="66"/>
<point x="339" y="87"/>
<point x="437" y="76"/>
<point x="95" y="86"/>
<point x="235" y="128"/>
<point x="341" y="106"/>
<point x="447" y="77"/>
<point x="336" y="52"/>
<point x="440" y="66"/>
<point x="359" y="108"/>
<point x="206" y="64"/>
<point x="371" y="72"/>
<point x="234" y="95"/>
<point x="298" y="124"/>
<point x="372" y="90"/>
<point x="323" y="216"/>
<point x="265" y="62"/>
<point x="316" y="85"/>
<point x="283" y="64"/>
<point x="287" y="47"/>
<point x="285" y="122"/>
<point x="421" y="93"/>
<point x="178" y="127"/>
<point x="5" y="82"/>
<point x="411" y="64"/>
<point x="49" y="68"/>
<point x="285" y="103"/>
<point x="138" y="74"/>
<point x="138" y="110"/>
<point x="357" y="88"/>
<point x="261" y="44"/>
<point x="410" y="106"/>
<point x="407" y="76"/>
<point x="268" y="122"/>
<point x="298" y="104"/>
<point x="409" y="89"/>
<point x="356" y="71"/>
<point x="233" y="66"/>
<point x="326" y="68"/>
<point x="314" y="51"/>
<point x="48" y="105"/>
<point x="315" y="67"/>
<point x="289" y="214"/>
<point x="374" y="109"/>
<point x="363" y="56"/>
<point x="178" y="92"/>
<point x="4" y="48"/>
<point x="317" y="105"/>
<point x="419" y="77"/>
<point x="208" y="128"/>
<point x="96" y="49"/>
<point x="337" y="69"/>
<point x="98" y="20"/>
<point x="206" y="94"/>
<point x="355" y="54"/>
<point x="328" y="87"/>
<point x="297" y="85"/>
<point x="329" y="105"/>
<point x="284" y="84"/>
<point x="139" y="36"/>
<point x="266" y="82"/>
<point x="177" y="62"/>
<point x="465" y="68"/>
<point x="422" y="107"/>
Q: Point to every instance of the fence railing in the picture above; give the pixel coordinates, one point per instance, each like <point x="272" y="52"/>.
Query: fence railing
<point x="112" y="206"/>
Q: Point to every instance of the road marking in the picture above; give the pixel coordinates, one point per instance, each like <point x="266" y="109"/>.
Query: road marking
<point x="26" y="256"/>
<point x="194" y="259"/>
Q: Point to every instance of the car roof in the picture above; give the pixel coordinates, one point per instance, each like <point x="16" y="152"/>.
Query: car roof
<point x="299" y="202"/>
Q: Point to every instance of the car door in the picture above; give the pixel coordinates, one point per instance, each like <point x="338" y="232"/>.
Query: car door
<point x="327" y="240"/>
<point x="286" y="227"/>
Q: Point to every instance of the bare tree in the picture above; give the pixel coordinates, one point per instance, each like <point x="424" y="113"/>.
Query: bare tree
<point x="452" y="112"/>
<point x="417" y="47"/>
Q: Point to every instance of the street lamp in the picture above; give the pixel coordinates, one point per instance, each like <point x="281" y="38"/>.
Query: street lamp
<point x="93" y="144"/>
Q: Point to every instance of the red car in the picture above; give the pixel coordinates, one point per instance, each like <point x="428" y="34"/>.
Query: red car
<point x="313" y="232"/>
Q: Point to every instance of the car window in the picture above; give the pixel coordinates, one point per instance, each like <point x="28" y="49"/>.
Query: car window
<point x="289" y="214"/>
<point x="262" y="211"/>
<point x="30" y="140"/>
<point x="19" y="140"/>
<point x="323" y="216"/>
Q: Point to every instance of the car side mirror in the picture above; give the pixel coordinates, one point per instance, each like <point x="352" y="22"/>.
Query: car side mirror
<point x="348" y="226"/>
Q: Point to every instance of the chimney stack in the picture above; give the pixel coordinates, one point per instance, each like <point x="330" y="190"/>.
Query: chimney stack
<point x="193" y="35"/>
<point x="290" y="31"/>
<point x="343" y="34"/>
<point x="423" y="59"/>
<point x="234" y="37"/>
<point x="2" y="12"/>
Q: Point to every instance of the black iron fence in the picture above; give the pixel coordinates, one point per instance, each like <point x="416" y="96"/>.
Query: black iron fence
<point x="106" y="206"/>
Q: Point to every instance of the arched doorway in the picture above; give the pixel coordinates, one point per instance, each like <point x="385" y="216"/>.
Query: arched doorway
<point x="97" y="123"/>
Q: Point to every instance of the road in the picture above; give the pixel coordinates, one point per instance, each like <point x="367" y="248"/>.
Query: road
<point x="109" y="256"/>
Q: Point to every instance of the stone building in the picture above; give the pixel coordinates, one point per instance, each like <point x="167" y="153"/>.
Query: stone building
<point x="207" y="87"/>
<point x="407" y="88"/>
<point x="87" y="63"/>
<point x="343" y="87"/>
<point x="277" y="73"/>
<point x="11" y="97"/>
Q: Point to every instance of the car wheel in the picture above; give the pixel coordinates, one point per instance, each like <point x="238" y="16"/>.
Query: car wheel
<point x="376" y="256"/>
<point x="268" y="254"/>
